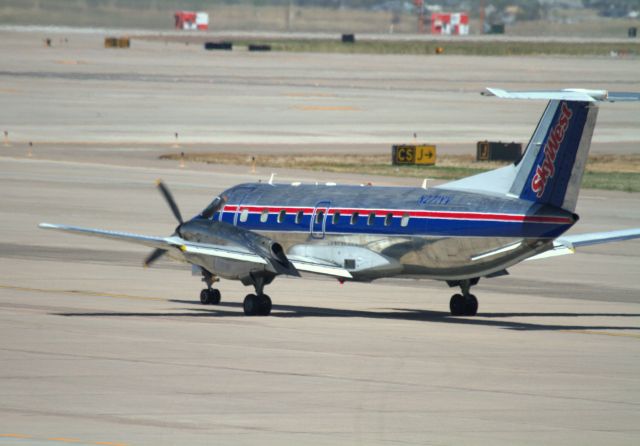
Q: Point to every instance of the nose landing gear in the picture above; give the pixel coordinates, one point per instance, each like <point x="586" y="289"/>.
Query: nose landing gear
<point x="209" y="296"/>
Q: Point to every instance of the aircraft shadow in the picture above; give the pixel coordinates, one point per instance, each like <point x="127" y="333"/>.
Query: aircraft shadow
<point x="299" y="311"/>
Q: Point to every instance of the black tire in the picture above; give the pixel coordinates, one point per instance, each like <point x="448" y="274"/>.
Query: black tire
<point x="251" y="305"/>
<point x="214" y="296"/>
<point x="205" y="297"/>
<point x="457" y="305"/>
<point x="471" y="305"/>
<point x="265" y="305"/>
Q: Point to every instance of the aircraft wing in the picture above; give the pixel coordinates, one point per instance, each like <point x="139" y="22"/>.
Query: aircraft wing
<point x="568" y="244"/>
<point x="151" y="242"/>
<point x="168" y="243"/>
<point x="318" y="267"/>
<point x="232" y="252"/>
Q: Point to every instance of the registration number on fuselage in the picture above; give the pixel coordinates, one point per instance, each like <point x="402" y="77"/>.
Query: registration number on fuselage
<point x="434" y="199"/>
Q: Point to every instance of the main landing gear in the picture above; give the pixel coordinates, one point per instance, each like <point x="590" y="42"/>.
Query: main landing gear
<point x="258" y="304"/>
<point x="464" y="304"/>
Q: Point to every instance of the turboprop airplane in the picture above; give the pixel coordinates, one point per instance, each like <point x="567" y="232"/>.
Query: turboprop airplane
<point x="458" y="232"/>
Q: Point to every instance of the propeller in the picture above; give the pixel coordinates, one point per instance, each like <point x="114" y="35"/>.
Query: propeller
<point x="172" y="203"/>
<point x="214" y="207"/>
<point x="157" y="253"/>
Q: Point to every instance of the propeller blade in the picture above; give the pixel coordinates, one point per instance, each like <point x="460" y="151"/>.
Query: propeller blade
<point x="155" y="255"/>
<point x="172" y="203"/>
<point x="217" y="204"/>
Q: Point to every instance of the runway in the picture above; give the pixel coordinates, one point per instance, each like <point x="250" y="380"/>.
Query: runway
<point x="97" y="350"/>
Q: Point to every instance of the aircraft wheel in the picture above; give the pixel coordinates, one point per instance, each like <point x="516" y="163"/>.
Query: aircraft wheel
<point x="471" y="305"/>
<point x="457" y="305"/>
<point x="265" y="305"/>
<point x="215" y="296"/>
<point x="205" y="297"/>
<point x="251" y="305"/>
<point x="210" y="297"/>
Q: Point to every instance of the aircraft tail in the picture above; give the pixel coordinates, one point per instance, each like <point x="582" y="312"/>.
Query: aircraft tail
<point x="551" y="169"/>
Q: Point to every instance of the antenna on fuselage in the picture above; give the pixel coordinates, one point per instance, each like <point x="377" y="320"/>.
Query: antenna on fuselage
<point x="271" y="178"/>
<point x="424" y="183"/>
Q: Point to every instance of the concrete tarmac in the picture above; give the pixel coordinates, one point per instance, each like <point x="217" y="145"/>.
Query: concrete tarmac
<point x="79" y="92"/>
<point x="95" y="349"/>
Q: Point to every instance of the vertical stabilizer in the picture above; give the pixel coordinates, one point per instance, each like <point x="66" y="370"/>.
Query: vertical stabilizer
<point x="552" y="167"/>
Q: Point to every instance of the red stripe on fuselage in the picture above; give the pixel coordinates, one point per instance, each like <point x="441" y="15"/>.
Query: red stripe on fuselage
<point x="446" y="215"/>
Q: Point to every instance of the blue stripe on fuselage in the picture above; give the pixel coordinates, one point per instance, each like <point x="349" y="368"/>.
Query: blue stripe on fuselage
<point x="415" y="226"/>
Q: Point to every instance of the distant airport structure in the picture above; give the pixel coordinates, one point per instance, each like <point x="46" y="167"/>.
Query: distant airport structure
<point x="450" y="23"/>
<point x="190" y="20"/>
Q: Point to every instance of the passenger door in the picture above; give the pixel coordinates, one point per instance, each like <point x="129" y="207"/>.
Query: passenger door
<point x="319" y="219"/>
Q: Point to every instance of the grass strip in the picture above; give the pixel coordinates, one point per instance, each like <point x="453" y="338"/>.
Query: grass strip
<point x="608" y="172"/>
<point x="462" y="47"/>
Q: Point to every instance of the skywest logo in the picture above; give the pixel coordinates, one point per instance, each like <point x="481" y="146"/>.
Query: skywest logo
<point x="546" y="170"/>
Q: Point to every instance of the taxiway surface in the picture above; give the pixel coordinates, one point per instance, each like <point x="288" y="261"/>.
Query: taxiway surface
<point x="94" y="349"/>
<point x="79" y="92"/>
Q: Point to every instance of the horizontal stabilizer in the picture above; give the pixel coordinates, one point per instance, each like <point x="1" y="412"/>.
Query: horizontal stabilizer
<point x="568" y="244"/>
<point x="568" y="94"/>
<point x="595" y="238"/>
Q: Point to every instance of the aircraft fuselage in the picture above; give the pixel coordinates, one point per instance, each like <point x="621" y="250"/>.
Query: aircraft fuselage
<point x="390" y="231"/>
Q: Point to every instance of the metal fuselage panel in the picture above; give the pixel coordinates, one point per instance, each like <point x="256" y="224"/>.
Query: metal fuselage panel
<point x="430" y="233"/>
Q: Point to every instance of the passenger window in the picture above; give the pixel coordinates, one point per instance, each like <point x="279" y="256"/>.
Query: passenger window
<point x="264" y="215"/>
<point x="281" y="216"/>
<point x="244" y="215"/>
<point x="371" y="219"/>
<point x="354" y="218"/>
<point x="405" y="220"/>
<point x="319" y="216"/>
<point x="336" y="218"/>
<point x="299" y="216"/>
<point x="388" y="219"/>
